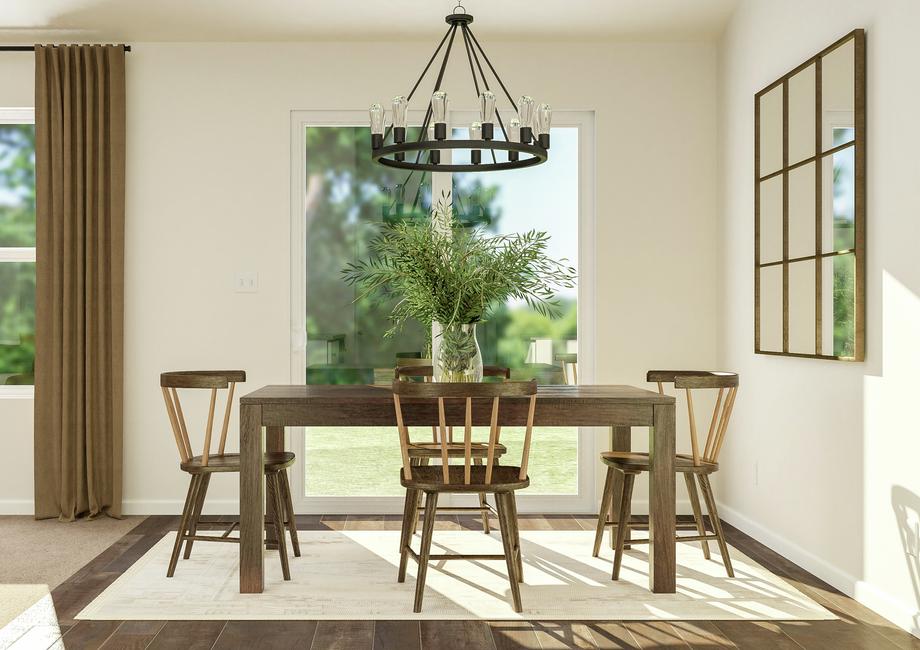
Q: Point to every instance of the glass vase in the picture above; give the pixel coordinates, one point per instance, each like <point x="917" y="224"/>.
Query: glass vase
<point x="455" y="353"/>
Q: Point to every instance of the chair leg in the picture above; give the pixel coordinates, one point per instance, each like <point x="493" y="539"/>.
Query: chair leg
<point x="289" y="511"/>
<point x="274" y="490"/>
<point x="516" y="536"/>
<point x="716" y="524"/>
<point x="483" y="504"/>
<point x="616" y="493"/>
<point x="622" y="521"/>
<point x="183" y="523"/>
<point x="421" y="462"/>
<point x="431" y="504"/>
<point x="501" y="500"/>
<point x="203" y="483"/>
<point x="697" y="512"/>
<point x="410" y="509"/>
<point x="606" y="498"/>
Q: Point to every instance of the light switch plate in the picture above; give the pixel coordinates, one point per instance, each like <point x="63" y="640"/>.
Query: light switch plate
<point x="246" y="282"/>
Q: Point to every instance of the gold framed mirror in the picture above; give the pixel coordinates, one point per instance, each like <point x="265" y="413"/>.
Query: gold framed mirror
<point x="810" y="207"/>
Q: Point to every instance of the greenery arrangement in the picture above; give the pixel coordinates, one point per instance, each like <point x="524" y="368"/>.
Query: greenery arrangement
<point x="438" y="271"/>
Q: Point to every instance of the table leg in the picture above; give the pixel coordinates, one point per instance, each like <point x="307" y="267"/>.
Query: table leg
<point x="620" y="440"/>
<point x="274" y="442"/>
<point x="251" y="499"/>
<point x="662" y="553"/>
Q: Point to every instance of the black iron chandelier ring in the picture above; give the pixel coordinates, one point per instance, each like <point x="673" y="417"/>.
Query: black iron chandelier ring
<point x="537" y="155"/>
<point x="527" y="133"/>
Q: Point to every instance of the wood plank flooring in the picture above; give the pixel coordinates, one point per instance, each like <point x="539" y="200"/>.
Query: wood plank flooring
<point x="857" y="628"/>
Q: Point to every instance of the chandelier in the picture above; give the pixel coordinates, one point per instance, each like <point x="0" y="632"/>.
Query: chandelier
<point x="519" y="148"/>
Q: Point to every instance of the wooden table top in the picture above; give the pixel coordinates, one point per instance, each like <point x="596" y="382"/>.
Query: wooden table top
<point x="301" y="394"/>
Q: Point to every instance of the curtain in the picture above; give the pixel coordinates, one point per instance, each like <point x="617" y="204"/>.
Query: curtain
<point x="79" y="302"/>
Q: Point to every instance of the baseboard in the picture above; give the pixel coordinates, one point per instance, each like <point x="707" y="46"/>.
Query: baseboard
<point x="232" y="507"/>
<point x="17" y="507"/>
<point x="862" y="592"/>
<point x="174" y="507"/>
<point x="883" y="604"/>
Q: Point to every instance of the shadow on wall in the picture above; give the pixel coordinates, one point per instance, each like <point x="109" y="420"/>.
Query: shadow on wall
<point x="906" y="506"/>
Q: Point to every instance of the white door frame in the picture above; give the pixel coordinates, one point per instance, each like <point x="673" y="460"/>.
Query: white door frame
<point x="585" y="500"/>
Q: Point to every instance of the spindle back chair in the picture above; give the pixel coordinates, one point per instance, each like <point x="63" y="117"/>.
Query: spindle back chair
<point x="421" y="453"/>
<point x="696" y="466"/>
<point x="456" y="402"/>
<point x="569" y="361"/>
<point x="201" y="466"/>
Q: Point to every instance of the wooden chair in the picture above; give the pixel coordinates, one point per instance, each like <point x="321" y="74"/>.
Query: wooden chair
<point x="201" y="467"/>
<point x="414" y="400"/>
<point x="422" y="453"/>
<point x="697" y="466"/>
<point x="569" y="361"/>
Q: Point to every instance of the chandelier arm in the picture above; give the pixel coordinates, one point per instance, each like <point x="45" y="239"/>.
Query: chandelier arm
<point x="437" y="84"/>
<point x="485" y="82"/>
<point x="469" y="57"/>
<point x="428" y="65"/>
<point x="450" y="44"/>
<point x="452" y="32"/>
<point x="492" y="68"/>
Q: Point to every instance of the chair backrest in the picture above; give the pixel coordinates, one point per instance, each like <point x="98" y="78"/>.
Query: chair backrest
<point x="216" y="380"/>
<point x="427" y="371"/>
<point x="569" y="360"/>
<point x="407" y="390"/>
<point x="690" y="380"/>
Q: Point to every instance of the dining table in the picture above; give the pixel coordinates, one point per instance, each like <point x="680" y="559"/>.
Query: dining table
<point x="266" y="412"/>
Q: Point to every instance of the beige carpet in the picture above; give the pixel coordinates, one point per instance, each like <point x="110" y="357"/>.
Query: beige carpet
<point x="49" y="551"/>
<point x="352" y="575"/>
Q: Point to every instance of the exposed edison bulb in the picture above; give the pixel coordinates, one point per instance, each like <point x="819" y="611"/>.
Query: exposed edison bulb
<point x="439" y="102"/>
<point x="545" y="118"/>
<point x="514" y="130"/>
<point x="526" y="110"/>
<point x="514" y="135"/>
<point x="434" y="155"/>
<point x="475" y="134"/>
<point x="400" y="106"/>
<point x="487" y="107"/>
<point x="376" y="113"/>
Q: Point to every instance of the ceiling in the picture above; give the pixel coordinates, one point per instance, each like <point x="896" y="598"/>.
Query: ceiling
<point x="27" y="21"/>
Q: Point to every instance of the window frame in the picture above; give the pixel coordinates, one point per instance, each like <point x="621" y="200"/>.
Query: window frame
<point x="23" y="115"/>
<point x="590" y="441"/>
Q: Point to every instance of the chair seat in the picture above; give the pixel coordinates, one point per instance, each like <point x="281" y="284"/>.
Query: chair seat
<point x="274" y="462"/>
<point x="638" y="462"/>
<point x="454" y="450"/>
<point x="430" y="478"/>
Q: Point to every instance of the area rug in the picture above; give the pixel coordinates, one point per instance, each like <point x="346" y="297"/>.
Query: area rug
<point x="351" y="575"/>
<point x="27" y="618"/>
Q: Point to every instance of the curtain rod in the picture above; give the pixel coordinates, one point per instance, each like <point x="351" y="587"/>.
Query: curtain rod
<point x="31" y="48"/>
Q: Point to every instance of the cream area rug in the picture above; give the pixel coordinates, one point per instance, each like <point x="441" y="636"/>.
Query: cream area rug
<point x="352" y="575"/>
<point x="27" y="618"/>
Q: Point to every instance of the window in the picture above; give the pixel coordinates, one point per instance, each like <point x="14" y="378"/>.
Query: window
<point x="17" y="248"/>
<point x="341" y="199"/>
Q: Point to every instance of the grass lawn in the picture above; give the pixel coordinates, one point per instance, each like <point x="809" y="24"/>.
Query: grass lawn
<point x="372" y="459"/>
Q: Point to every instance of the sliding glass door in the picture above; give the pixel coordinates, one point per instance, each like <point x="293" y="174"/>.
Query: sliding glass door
<point x="340" y="201"/>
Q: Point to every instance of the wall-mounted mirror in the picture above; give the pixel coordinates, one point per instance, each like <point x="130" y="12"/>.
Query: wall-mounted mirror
<point x="810" y="207"/>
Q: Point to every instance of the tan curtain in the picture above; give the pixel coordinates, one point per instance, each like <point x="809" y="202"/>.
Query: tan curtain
<point x="80" y="215"/>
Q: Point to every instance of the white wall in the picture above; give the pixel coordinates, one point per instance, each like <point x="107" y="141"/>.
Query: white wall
<point x="836" y="444"/>
<point x="208" y="195"/>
